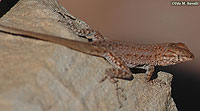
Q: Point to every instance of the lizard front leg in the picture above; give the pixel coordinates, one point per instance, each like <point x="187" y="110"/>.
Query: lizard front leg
<point x="150" y="69"/>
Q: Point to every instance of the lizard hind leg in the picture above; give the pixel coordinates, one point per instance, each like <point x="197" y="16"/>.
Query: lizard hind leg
<point x="120" y="71"/>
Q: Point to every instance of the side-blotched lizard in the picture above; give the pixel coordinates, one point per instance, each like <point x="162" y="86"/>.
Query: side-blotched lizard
<point x="122" y="55"/>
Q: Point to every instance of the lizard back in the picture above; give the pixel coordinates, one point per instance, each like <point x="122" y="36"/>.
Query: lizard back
<point x="147" y="54"/>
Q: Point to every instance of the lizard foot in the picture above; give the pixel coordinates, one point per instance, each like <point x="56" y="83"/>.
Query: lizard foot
<point x="112" y="74"/>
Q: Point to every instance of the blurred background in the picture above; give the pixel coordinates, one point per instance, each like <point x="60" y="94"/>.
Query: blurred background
<point x="141" y="21"/>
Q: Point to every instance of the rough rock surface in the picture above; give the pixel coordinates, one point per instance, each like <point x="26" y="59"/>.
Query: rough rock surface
<point x="40" y="76"/>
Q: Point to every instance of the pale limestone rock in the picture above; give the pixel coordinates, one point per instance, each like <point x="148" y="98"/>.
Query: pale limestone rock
<point x="40" y="76"/>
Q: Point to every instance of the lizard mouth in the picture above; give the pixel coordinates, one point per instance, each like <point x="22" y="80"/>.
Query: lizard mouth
<point x="191" y="56"/>
<point x="186" y="58"/>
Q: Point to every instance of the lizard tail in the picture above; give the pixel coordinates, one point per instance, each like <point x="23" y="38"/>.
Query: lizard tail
<point x="72" y="44"/>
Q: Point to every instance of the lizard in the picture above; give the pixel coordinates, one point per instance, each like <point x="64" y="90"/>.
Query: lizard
<point x="121" y="55"/>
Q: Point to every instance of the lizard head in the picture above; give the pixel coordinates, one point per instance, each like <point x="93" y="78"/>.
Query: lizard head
<point x="176" y="53"/>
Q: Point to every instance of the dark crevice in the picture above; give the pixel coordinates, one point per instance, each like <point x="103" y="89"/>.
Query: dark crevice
<point x="6" y="5"/>
<point x="185" y="87"/>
